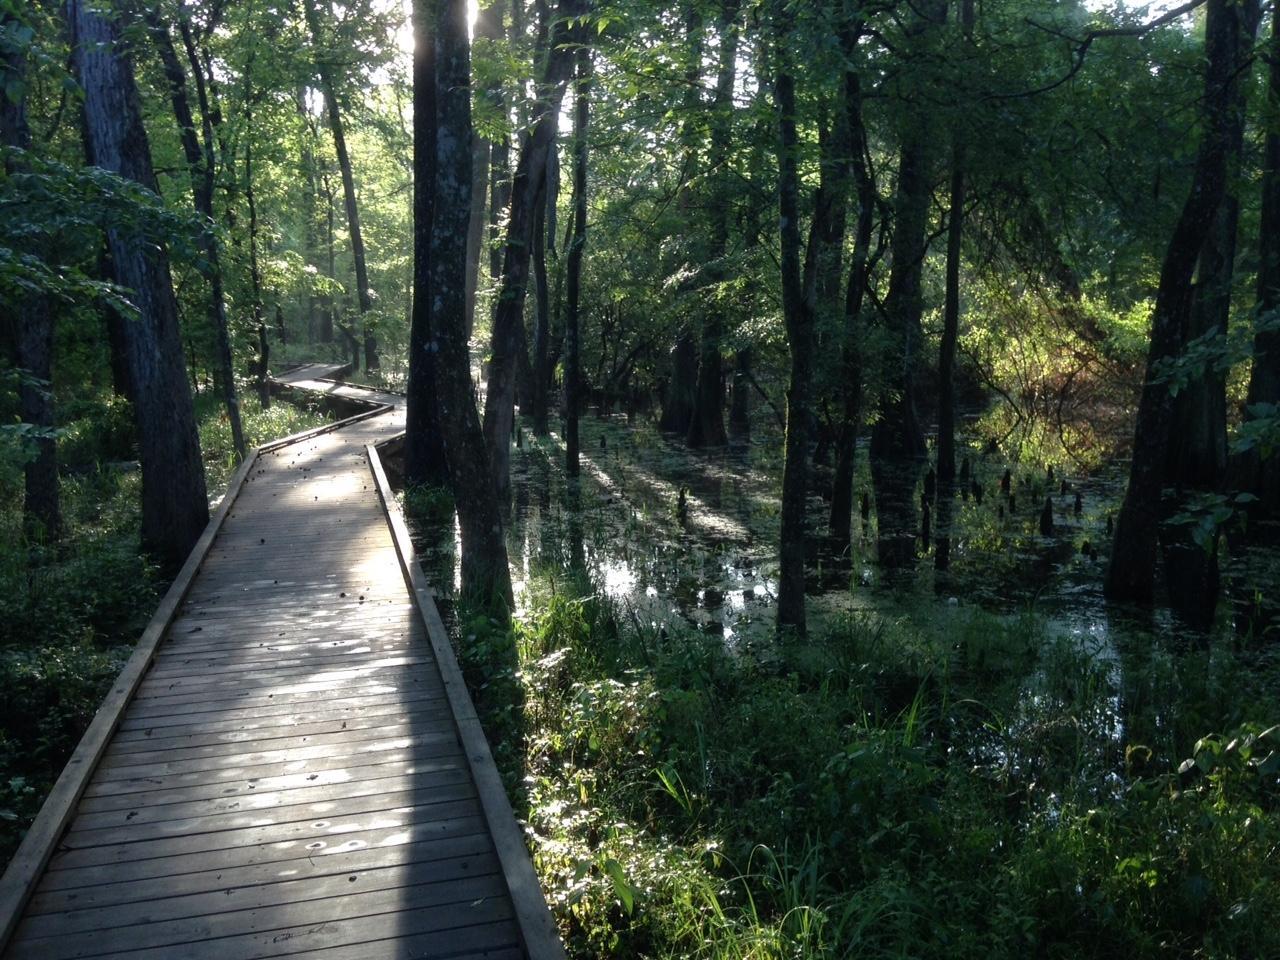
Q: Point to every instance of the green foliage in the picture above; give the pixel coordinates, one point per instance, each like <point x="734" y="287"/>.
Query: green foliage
<point x="915" y="786"/>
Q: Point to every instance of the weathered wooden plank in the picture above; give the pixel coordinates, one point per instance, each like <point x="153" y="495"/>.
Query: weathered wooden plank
<point x="302" y="836"/>
<point x="402" y="686"/>
<point x="132" y="742"/>
<point x="267" y="714"/>
<point x="387" y="838"/>
<point x="151" y="778"/>
<point x="246" y="787"/>
<point x="252" y="803"/>
<point x="380" y="913"/>
<point x="432" y="857"/>
<point x="459" y="876"/>
<point x="393" y="797"/>
<point x="362" y="743"/>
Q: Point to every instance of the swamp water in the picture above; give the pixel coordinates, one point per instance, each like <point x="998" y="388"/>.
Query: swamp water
<point x="680" y="539"/>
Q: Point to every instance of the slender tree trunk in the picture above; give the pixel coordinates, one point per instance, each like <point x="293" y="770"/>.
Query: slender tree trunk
<point x="841" y="522"/>
<point x="1131" y="574"/>
<point x="488" y="27"/>
<point x="336" y="127"/>
<point x="798" y="317"/>
<point x="328" y="313"/>
<point x="542" y="319"/>
<point x="951" y="305"/>
<point x="174" y="504"/>
<point x="508" y="320"/>
<point x="262" y="364"/>
<point x="706" y="426"/>
<point x="200" y="166"/>
<point x="740" y="396"/>
<point x="440" y="279"/>
<point x="307" y="168"/>
<point x="573" y="263"/>
<point x="33" y="337"/>
<point x="1257" y="474"/>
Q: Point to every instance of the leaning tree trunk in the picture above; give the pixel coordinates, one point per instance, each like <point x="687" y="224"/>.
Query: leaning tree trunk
<point x="175" y="508"/>
<point x="440" y="282"/>
<point x="706" y="425"/>
<point x="200" y="167"/>
<point x="573" y="264"/>
<point x="329" y="88"/>
<point x="508" y="318"/>
<point x="1131" y="574"/>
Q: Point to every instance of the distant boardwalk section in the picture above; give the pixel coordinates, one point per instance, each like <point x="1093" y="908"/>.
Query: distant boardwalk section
<point x="289" y="765"/>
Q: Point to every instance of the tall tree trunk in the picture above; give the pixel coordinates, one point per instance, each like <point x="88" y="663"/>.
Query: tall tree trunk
<point x="508" y="319"/>
<point x="307" y="168"/>
<point x="262" y="364"/>
<point x="1257" y="474"/>
<point x="33" y="324"/>
<point x="440" y="282"/>
<point x="706" y="426"/>
<point x="1196" y="458"/>
<point x="328" y="313"/>
<point x="200" y="166"/>
<point x="175" y="508"/>
<point x="951" y="305"/>
<point x="740" y="396"/>
<point x="573" y="263"/>
<point x="1131" y="574"/>
<point x="946" y="471"/>
<point x="488" y="27"/>
<point x="336" y="127"/>
<point x="542" y="317"/>
<point x="841" y="519"/>
<point x="424" y="449"/>
<point x="798" y="300"/>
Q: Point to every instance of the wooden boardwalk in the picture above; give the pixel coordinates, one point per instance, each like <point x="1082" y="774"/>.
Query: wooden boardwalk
<point x="289" y="766"/>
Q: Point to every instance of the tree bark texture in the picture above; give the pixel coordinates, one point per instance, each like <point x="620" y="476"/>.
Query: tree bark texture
<point x="706" y="426"/>
<point x="336" y="127"/>
<point x="486" y="578"/>
<point x="1131" y="573"/>
<point x="508" y="320"/>
<point x="200" y="167"/>
<point x="175" y="507"/>
<point x="573" y="264"/>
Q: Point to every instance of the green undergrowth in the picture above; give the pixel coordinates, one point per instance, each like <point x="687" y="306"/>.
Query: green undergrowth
<point x="71" y="611"/>
<point x="933" y="784"/>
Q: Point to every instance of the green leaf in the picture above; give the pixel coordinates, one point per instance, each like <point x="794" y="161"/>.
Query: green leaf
<point x="623" y="889"/>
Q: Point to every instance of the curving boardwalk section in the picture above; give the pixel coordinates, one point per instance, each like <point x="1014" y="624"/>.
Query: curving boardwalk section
<point x="297" y="771"/>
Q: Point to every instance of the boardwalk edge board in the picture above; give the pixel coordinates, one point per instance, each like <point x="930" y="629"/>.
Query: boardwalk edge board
<point x="533" y="917"/>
